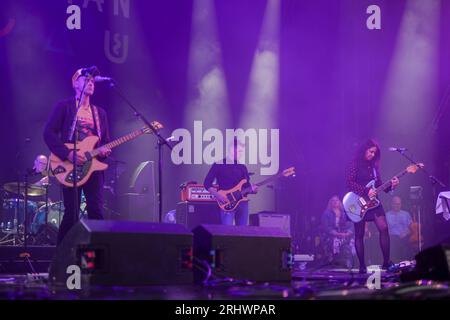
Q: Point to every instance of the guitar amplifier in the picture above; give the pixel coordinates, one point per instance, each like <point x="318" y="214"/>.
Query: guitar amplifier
<point x="196" y="192"/>
<point x="272" y="220"/>
<point x="192" y="214"/>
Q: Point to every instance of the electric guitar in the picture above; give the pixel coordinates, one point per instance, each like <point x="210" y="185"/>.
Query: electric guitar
<point x="356" y="206"/>
<point x="63" y="170"/>
<point x="238" y="194"/>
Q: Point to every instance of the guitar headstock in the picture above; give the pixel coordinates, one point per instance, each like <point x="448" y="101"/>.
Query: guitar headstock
<point x="289" y="172"/>
<point x="155" y="124"/>
<point x="414" y="167"/>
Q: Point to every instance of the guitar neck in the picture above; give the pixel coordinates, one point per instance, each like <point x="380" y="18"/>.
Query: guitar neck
<point x="387" y="183"/>
<point x="266" y="181"/>
<point x="119" y="141"/>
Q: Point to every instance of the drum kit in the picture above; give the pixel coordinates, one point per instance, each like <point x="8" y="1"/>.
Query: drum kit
<point x="35" y="214"/>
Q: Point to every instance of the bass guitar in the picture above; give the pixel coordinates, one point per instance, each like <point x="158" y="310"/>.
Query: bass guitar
<point x="356" y="206"/>
<point x="63" y="170"/>
<point x="239" y="193"/>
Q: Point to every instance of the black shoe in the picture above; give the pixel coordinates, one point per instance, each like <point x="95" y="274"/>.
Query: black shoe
<point x="388" y="266"/>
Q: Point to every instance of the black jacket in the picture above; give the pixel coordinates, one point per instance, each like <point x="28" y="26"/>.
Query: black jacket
<point x="57" y="129"/>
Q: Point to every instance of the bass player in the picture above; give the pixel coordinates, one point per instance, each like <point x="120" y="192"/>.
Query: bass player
<point x="228" y="173"/>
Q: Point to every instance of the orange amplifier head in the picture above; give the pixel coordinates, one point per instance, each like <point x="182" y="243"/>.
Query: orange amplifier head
<point x="196" y="192"/>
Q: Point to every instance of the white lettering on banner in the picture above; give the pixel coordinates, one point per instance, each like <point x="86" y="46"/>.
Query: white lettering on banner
<point x="99" y="4"/>
<point x="116" y="50"/>
<point x="125" y="5"/>
<point x="115" y="44"/>
<point x="374" y="20"/>
<point x="73" y="21"/>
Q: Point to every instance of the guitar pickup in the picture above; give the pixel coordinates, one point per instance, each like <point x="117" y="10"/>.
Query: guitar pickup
<point x="59" y="169"/>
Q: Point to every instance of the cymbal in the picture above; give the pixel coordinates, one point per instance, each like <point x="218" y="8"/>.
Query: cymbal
<point x="33" y="191"/>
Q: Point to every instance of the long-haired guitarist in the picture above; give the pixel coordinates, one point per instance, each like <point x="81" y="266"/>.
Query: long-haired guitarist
<point x="91" y="120"/>
<point x="364" y="168"/>
<point x="227" y="175"/>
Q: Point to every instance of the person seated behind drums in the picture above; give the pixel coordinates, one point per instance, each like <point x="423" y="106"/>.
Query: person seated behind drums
<point x="41" y="167"/>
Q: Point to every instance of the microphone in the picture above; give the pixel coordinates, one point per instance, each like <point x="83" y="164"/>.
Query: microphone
<point x="397" y="149"/>
<point x="92" y="71"/>
<point x="103" y="79"/>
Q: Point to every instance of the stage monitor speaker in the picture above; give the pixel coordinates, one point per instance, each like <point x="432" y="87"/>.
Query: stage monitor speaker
<point x="271" y="220"/>
<point x="125" y="253"/>
<point x="432" y="263"/>
<point x="193" y="214"/>
<point x="242" y="252"/>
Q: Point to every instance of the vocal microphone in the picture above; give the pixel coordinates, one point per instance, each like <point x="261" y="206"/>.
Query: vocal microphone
<point x="103" y="79"/>
<point x="92" y="71"/>
<point x="397" y="149"/>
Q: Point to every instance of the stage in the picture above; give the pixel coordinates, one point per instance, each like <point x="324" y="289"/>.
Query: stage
<point x="324" y="284"/>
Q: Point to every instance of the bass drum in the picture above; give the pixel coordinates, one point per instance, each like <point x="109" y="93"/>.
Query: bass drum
<point x="55" y="215"/>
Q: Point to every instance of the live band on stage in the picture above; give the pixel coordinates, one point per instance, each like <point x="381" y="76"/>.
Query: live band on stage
<point x="68" y="183"/>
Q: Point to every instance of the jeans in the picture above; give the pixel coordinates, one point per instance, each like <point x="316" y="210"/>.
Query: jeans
<point x="240" y="214"/>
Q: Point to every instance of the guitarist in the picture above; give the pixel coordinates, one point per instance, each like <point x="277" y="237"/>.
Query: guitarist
<point x="91" y="120"/>
<point x="363" y="168"/>
<point x="228" y="174"/>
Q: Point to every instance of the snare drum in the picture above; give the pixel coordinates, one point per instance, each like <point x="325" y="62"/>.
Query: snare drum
<point x="11" y="219"/>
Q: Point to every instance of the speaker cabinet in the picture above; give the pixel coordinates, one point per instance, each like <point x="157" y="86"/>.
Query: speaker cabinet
<point x="243" y="252"/>
<point x="125" y="253"/>
<point x="272" y="220"/>
<point x="192" y="214"/>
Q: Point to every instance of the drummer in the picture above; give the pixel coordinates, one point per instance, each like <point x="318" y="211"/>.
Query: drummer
<point x="40" y="167"/>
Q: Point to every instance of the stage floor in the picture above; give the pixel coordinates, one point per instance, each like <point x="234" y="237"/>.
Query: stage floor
<point x="324" y="284"/>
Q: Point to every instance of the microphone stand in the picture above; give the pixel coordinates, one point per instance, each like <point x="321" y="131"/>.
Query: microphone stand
<point x="160" y="143"/>
<point x="17" y="211"/>
<point x="433" y="181"/>
<point x="74" y="160"/>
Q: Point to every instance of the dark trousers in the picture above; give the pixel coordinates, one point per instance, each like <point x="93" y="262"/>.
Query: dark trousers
<point x="93" y="191"/>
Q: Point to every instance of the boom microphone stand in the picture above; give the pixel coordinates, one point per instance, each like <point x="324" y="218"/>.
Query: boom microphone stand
<point x="161" y="142"/>
<point x="433" y="181"/>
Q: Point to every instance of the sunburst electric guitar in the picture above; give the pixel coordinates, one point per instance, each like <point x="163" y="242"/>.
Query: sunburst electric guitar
<point x="356" y="206"/>
<point x="63" y="170"/>
<point x="239" y="193"/>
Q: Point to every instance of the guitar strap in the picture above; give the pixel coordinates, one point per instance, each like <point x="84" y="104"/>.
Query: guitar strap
<point x="97" y="121"/>
<point x="375" y="173"/>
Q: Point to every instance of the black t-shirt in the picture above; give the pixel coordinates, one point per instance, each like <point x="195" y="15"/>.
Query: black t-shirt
<point x="226" y="175"/>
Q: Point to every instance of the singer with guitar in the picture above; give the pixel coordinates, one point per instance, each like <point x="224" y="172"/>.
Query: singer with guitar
<point x="91" y="121"/>
<point x="228" y="174"/>
<point x="363" y="168"/>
